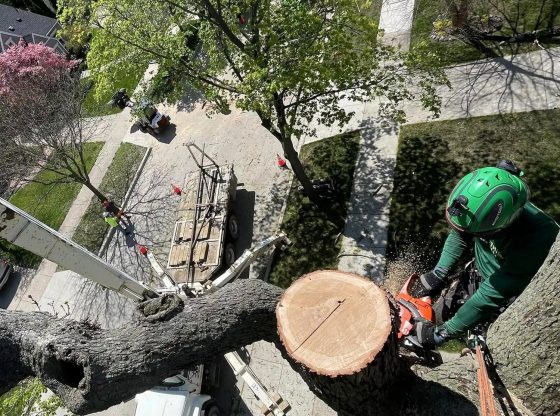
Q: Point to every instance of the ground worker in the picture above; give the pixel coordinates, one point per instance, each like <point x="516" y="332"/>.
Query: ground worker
<point x="118" y="212"/>
<point x="113" y="221"/>
<point x="489" y="207"/>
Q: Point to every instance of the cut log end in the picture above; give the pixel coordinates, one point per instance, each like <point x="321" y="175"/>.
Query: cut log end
<point x="334" y="323"/>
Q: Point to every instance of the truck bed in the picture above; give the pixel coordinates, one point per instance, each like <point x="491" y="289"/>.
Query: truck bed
<point x="201" y="217"/>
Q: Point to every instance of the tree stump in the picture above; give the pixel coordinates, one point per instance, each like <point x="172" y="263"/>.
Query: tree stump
<point x="339" y="331"/>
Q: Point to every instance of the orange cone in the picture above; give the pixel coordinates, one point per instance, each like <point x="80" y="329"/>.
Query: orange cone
<point x="176" y="189"/>
<point x="142" y="249"/>
<point x="281" y="162"/>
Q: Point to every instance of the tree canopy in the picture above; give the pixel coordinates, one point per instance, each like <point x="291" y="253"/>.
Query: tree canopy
<point x="26" y="67"/>
<point x="292" y="62"/>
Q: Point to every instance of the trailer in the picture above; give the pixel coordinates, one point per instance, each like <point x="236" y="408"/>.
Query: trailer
<point x="204" y="221"/>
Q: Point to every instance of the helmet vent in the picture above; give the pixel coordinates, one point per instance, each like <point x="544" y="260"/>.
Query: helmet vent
<point x="487" y="184"/>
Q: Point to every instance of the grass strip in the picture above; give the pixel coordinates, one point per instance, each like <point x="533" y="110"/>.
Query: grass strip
<point x="92" y="228"/>
<point x="48" y="203"/>
<point x="312" y="235"/>
<point x="524" y="15"/>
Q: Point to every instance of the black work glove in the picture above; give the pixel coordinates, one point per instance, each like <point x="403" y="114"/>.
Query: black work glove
<point x="429" y="335"/>
<point x="427" y="285"/>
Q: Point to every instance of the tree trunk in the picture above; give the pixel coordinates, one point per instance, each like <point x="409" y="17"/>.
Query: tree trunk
<point x="525" y="341"/>
<point x="92" y="369"/>
<point x="459" y="13"/>
<point x="289" y="151"/>
<point x="95" y="191"/>
<point x="299" y="171"/>
<point x="339" y="331"/>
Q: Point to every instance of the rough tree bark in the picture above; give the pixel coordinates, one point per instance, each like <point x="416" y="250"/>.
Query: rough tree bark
<point x="92" y="369"/>
<point x="525" y="341"/>
<point x="339" y="332"/>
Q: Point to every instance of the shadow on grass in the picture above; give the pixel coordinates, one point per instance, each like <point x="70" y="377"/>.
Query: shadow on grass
<point x="432" y="157"/>
<point x="92" y="228"/>
<point x="315" y="243"/>
<point x="49" y="202"/>
<point x="518" y="16"/>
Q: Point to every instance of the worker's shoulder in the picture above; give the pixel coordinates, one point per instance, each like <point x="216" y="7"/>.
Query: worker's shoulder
<point x="538" y="221"/>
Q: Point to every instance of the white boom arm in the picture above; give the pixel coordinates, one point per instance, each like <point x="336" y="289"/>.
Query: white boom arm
<point x="27" y="232"/>
<point x="245" y="260"/>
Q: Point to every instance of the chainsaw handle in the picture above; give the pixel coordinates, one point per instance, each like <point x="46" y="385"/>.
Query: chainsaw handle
<point x="413" y="310"/>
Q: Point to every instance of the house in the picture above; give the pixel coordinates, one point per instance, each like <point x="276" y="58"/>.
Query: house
<point x="16" y="24"/>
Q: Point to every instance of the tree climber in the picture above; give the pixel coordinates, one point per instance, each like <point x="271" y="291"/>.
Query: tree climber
<point x="489" y="208"/>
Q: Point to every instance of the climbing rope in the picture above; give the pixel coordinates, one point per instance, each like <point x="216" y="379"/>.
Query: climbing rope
<point x="487" y="406"/>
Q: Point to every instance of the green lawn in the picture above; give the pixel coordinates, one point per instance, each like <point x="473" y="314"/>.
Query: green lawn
<point x="527" y="14"/>
<point x="98" y="107"/>
<point x="48" y="203"/>
<point x="92" y="229"/>
<point x="313" y="237"/>
<point x="425" y="12"/>
<point x="433" y="156"/>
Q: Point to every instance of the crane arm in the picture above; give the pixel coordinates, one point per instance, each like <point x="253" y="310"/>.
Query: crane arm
<point x="25" y="231"/>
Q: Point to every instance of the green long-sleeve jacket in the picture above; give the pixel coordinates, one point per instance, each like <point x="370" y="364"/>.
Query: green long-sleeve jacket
<point x="507" y="264"/>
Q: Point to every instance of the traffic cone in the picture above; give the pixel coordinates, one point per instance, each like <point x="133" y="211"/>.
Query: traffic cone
<point x="280" y="161"/>
<point x="142" y="249"/>
<point x="176" y="189"/>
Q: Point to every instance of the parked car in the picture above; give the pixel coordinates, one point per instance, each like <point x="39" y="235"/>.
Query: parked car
<point x="5" y="272"/>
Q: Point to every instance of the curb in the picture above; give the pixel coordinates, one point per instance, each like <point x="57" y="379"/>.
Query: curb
<point x="111" y="232"/>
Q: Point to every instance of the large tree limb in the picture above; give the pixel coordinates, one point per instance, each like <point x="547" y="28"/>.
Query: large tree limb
<point x="92" y="369"/>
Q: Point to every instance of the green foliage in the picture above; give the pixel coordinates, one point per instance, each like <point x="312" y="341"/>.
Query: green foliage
<point x="75" y="30"/>
<point x="290" y="61"/>
<point x="29" y="398"/>
<point x="432" y="157"/>
<point x="96" y="102"/>
<point x="314" y="237"/>
<point x="48" y="203"/>
<point x="92" y="229"/>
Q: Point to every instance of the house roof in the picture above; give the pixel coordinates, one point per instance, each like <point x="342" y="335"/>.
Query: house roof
<point x="30" y="22"/>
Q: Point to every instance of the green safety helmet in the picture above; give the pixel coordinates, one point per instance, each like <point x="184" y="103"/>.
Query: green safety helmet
<point x="487" y="200"/>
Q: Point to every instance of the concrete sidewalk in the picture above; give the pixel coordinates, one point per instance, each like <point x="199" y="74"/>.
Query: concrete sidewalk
<point x="495" y="86"/>
<point x="395" y="22"/>
<point x="110" y="130"/>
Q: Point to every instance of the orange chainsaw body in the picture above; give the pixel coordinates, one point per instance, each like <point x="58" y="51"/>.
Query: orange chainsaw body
<point x="412" y="309"/>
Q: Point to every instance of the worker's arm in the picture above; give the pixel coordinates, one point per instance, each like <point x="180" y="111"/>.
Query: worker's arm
<point x="454" y="247"/>
<point x="492" y="294"/>
<point x="431" y="282"/>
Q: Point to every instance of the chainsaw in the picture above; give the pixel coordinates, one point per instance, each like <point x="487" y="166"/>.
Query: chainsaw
<point x="412" y="310"/>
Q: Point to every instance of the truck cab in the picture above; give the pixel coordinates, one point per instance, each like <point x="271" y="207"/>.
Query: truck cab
<point x="179" y="395"/>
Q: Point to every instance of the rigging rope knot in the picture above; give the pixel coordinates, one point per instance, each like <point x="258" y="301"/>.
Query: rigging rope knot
<point x="162" y="308"/>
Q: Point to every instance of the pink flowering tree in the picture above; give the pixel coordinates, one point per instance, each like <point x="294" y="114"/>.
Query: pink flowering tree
<point x="43" y="127"/>
<point x="32" y="66"/>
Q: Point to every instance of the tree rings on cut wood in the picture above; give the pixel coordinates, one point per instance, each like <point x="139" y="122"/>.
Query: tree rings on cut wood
<point x="334" y="323"/>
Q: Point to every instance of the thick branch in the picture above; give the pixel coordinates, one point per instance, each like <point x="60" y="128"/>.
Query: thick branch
<point x="92" y="369"/>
